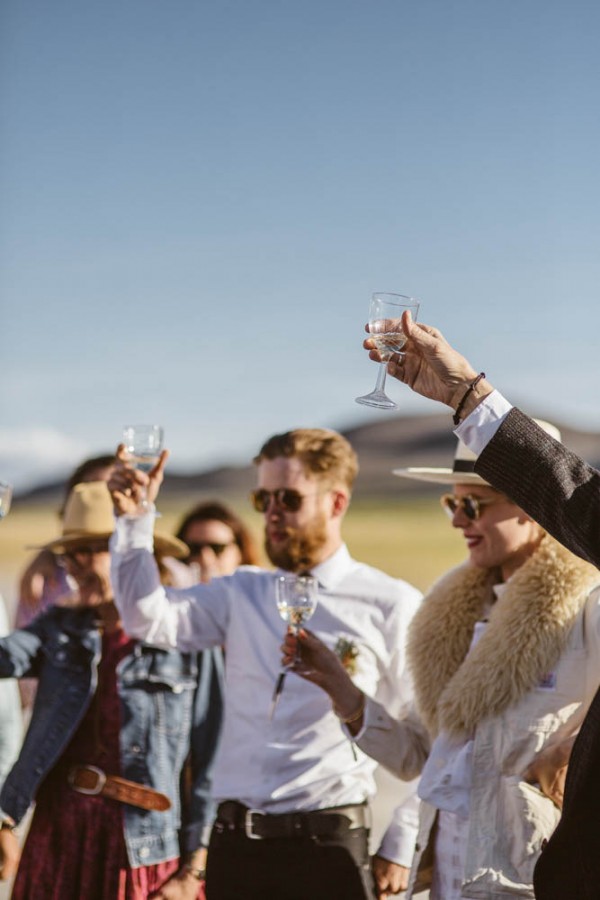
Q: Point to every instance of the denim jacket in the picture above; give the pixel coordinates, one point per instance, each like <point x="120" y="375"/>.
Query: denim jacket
<point x="171" y="707"/>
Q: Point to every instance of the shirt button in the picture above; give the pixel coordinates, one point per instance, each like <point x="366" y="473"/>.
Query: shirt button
<point x="135" y="748"/>
<point x="144" y="852"/>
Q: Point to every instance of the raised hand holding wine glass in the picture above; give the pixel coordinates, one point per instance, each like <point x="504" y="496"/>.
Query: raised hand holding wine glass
<point x="131" y="487"/>
<point x="143" y="444"/>
<point x="386" y="332"/>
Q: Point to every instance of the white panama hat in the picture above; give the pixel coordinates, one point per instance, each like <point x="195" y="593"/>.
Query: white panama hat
<point x="463" y="468"/>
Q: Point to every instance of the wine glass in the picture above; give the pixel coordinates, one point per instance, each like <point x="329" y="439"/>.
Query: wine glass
<point x="296" y="597"/>
<point x="143" y="444"/>
<point x="5" y="498"/>
<point x="385" y="327"/>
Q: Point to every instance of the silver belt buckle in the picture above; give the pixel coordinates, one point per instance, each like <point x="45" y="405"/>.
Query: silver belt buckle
<point x="248" y="824"/>
<point x="97" y="789"/>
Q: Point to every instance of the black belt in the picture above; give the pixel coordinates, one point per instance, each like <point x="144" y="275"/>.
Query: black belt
<point x="258" y="826"/>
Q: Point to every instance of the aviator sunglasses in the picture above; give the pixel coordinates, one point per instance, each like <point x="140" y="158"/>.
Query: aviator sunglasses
<point x="287" y="499"/>
<point x="471" y="506"/>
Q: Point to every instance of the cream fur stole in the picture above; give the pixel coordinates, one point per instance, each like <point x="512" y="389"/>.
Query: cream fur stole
<point x="527" y="631"/>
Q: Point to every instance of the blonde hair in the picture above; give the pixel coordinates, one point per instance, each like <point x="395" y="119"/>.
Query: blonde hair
<point x="323" y="453"/>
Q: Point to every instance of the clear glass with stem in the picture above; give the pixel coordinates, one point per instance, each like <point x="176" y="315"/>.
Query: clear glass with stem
<point x="143" y="444"/>
<point x="296" y="597"/>
<point x="385" y="328"/>
<point x="5" y="498"/>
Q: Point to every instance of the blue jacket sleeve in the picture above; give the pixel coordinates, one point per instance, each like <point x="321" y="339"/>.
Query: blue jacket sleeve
<point x="197" y="803"/>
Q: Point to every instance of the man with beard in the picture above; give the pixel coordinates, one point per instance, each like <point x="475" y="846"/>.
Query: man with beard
<point x="293" y="821"/>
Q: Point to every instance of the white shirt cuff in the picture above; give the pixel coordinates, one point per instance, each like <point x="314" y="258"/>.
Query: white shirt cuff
<point x="370" y="717"/>
<point x="398" y="842"/>
<point x="133" y="532"/>
<point x="480" y="426"/>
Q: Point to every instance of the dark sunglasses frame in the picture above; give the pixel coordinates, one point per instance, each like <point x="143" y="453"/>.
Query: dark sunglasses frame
<point x="217" y="547"/>
<point x="289" y="499"/>
<point x="84" y="550"/>
<point x="471" y="506"/>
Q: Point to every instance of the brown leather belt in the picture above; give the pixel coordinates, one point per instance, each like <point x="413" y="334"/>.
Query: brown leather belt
<point x="258" y="826"/>
<point x="92" y="780"/>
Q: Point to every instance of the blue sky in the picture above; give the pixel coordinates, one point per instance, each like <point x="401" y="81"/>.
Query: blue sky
<point x="200" y="197"/>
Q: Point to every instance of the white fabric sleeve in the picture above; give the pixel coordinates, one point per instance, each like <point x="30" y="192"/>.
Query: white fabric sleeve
<point x="400" y="745"/>
<point x="190" y="619"/>
<point x="398" y="843"/>
<point x="480" y="426"/>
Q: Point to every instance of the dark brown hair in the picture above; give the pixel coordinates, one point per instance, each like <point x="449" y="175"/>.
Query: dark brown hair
<point x="211" y="511"/>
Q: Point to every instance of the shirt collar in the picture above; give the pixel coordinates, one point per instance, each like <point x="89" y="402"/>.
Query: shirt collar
<point x="332" y="570"/>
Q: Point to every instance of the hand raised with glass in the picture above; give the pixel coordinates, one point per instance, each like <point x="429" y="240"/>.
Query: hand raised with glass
<point x="130" y="487"/>
<point x="431" y="366"/>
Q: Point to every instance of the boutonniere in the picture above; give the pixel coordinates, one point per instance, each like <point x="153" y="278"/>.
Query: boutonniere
<point x="347" y="652"/>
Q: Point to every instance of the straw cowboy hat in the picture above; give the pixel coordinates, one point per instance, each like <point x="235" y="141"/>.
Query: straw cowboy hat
<point x="463" y="468"/>
<point x="89" y="516"/>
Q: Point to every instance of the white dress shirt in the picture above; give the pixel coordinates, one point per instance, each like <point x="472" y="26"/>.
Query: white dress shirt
<point x="301" y="759"/>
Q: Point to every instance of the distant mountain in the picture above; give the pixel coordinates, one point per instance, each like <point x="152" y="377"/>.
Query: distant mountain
<point x="393" y="442"/>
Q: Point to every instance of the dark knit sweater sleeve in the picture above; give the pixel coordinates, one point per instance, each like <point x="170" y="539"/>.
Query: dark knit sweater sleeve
<point x="553" y="485"/>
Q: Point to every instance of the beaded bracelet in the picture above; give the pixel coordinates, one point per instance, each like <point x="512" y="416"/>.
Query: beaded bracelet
<point x="470" y="389"/>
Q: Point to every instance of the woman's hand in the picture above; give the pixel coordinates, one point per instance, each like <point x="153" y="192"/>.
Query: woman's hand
<point x="390" y="878"/>
<point x="10" y="854"/>
<point x="310" y="658"/>
<point x="549" y="770"/>
<point x="41" y="572"/>
<point x="183" y="884"/>
<point x="129" y="487"/>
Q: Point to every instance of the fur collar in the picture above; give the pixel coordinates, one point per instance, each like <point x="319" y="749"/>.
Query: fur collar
<point x="527" y="632"/>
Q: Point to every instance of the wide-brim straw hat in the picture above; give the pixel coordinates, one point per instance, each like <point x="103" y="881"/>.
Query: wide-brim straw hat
<point x="463" y="467"/>
<point x="89" y="516"/>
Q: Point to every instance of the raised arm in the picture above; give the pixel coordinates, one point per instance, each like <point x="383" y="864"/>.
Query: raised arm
<point x="557" y="488"/>
<point x="191" y="619"/>
<point x="560" y="490"/>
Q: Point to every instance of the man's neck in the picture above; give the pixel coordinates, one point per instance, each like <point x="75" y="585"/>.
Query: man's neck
<point x="325" y="553"/>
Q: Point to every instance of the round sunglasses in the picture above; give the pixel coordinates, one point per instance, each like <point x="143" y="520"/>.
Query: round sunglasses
<point x="471" y="506"/>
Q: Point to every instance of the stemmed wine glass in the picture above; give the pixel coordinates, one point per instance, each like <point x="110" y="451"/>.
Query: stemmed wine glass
<point x="5" y="498"/>
<point x="296" y="597"/>
<point x="385" y="327"/>
<point x="143" y="444"/>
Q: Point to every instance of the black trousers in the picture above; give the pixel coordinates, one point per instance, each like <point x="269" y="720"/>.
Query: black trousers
<point x="295" y="868"/>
